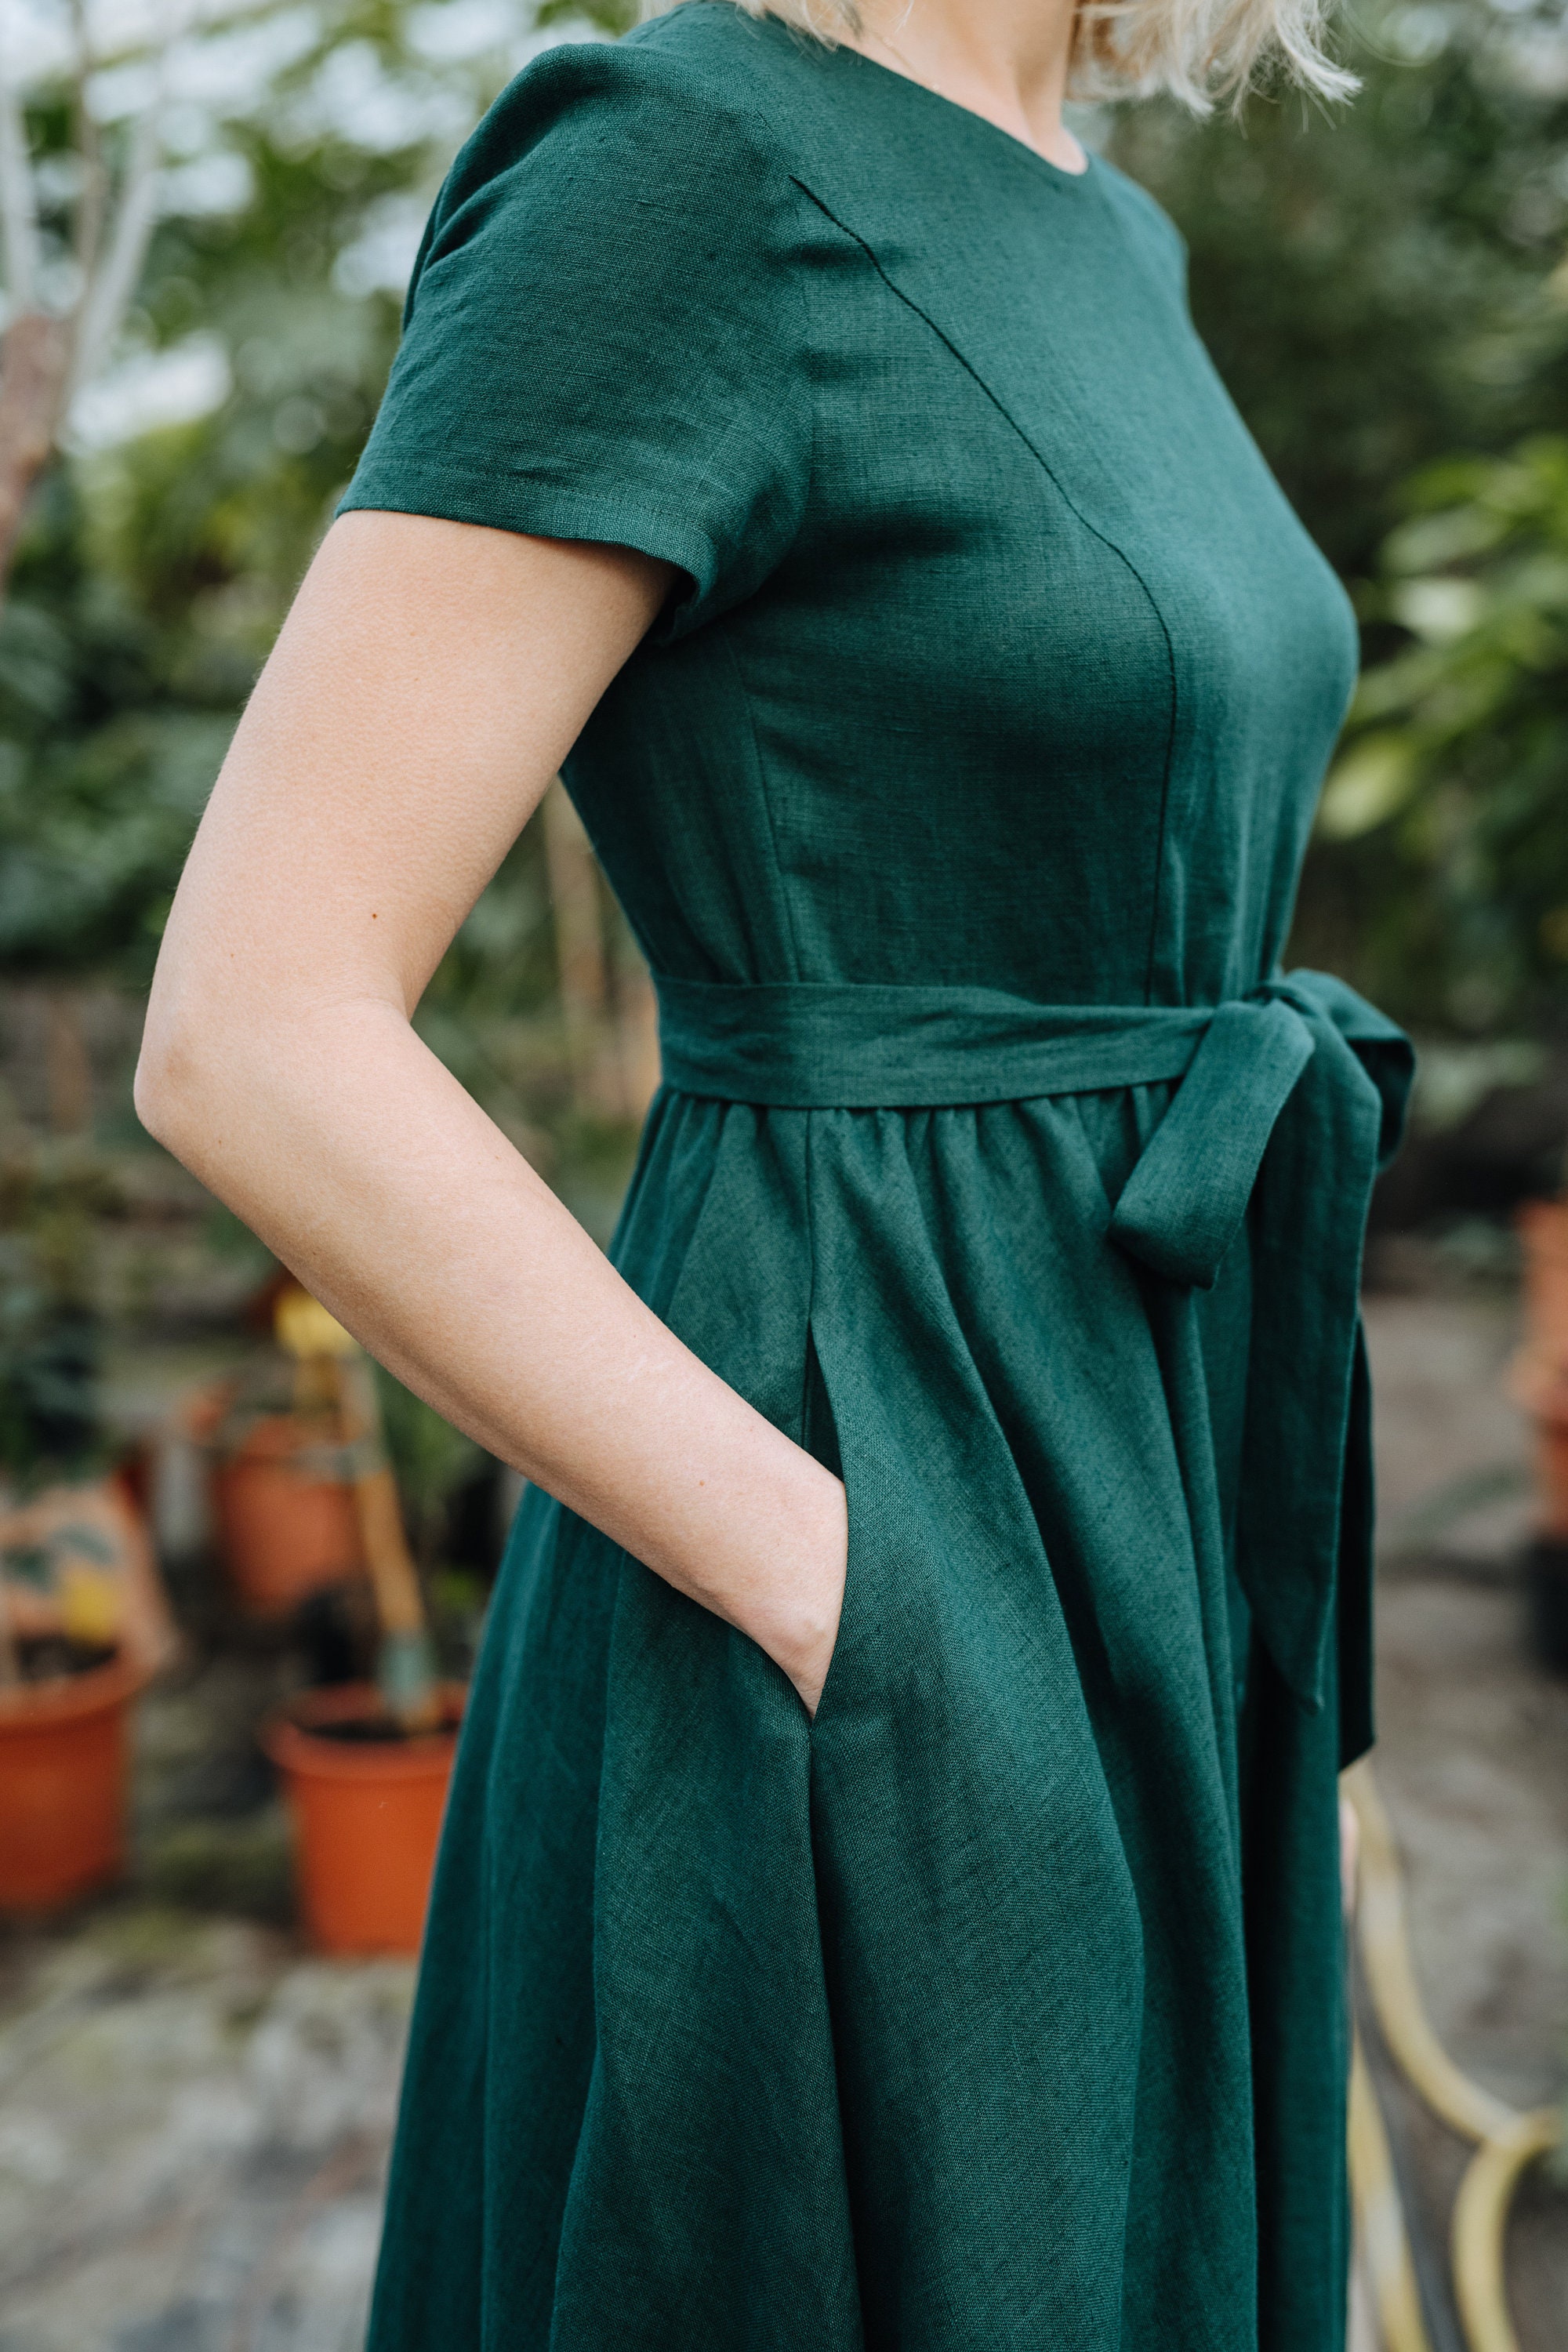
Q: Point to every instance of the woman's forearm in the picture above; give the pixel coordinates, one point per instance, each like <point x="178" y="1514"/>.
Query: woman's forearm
<point x="342" y="1142"/>
<point x="426" y="687"/>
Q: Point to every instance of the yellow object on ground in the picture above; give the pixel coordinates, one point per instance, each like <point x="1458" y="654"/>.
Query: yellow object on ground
<point x="1508" y="2142"/>
<point x="1383" y="2245"/>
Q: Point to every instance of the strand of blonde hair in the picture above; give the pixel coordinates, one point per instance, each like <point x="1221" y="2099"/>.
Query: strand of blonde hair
<point x="1195" y="51"/>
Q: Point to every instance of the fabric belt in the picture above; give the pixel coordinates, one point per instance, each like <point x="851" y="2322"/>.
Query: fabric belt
<point x="1290" y="1099"/>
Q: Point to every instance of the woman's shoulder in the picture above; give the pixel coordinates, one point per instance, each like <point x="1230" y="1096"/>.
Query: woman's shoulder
<point x="683" y="96"/>
<point x="723" y="44"/>
<point x="605" y="335"/>
<point x="1144" y="219"/>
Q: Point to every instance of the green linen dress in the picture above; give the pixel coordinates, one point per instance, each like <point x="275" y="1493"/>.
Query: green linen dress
<point x="957" y="800"/>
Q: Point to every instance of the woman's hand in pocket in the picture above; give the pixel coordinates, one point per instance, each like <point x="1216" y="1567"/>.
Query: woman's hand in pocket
<point x="796" y="1594"/>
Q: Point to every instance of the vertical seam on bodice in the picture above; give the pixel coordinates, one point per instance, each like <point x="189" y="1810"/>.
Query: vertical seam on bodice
<point x="1159" y="829"/>
<point x="720" y="626"/>
<point x="803" y="296"/>
<point x="1104" y="537"/>
<point x="760" y="769"/>
<point x="810" y="1281"/>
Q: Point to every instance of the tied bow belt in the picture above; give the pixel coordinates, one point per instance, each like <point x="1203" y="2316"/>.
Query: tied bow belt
<point x="1290" y="1099"/>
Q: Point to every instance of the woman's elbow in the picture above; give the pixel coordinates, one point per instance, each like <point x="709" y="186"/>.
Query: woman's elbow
<point x="167" y="1087"/>
<point x="180" y="1080"/>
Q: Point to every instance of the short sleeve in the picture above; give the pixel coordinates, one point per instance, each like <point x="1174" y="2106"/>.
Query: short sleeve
<point x="605" y="335"/>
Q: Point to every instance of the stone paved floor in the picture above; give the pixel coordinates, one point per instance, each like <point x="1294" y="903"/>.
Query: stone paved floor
<point x="193" y="2122"/>
<point x="193" y="2115"/>
<point x="1472" y="1761"/>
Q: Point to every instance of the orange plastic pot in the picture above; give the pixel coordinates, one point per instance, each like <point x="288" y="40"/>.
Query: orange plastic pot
<point x="1551" y="1479"/>
<point x="285" y="1531"/>
<point x="1539" y="1375"/>
<point x="366" y="1816"/>
<point x="64" y="1768"/>
<point x="1543" y="1230"/>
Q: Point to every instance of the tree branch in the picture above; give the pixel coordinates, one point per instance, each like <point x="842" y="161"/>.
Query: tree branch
<point x="88" y="227"/>
<point x="108" y="297"/>
<point x="35" y="355"/>
<point x="18" y="198"/>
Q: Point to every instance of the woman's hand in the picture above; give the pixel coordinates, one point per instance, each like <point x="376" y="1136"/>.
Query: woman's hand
<point x="795" y="1610"/>
<point x="424" y="690"/>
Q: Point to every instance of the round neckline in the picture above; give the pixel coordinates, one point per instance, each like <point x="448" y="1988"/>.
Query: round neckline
<point x="1058" y="174"/>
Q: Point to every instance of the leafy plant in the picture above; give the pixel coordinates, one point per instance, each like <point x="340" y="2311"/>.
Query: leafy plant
<point x="1374" y="278"/>
<point x="51" y="1200"/>
<point x="1446" y="816"/>
<point x="50" y="1425"/>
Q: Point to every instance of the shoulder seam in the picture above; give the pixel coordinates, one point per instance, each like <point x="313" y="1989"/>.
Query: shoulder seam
<point x="717" y="103"/>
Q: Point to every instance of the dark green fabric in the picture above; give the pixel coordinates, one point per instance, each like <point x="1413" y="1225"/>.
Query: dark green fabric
<point x="804" y="1045"/>
<point x="958" y="800"/>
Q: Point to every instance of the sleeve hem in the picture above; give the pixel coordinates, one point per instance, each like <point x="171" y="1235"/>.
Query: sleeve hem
<point x="538" y="511"/>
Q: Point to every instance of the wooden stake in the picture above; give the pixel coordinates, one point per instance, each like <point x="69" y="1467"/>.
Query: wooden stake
<point x="315" y="1337"/>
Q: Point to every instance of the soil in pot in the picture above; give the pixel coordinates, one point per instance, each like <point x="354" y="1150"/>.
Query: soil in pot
<point x="373" y="1732"/>
<point x="45" y="1657"/>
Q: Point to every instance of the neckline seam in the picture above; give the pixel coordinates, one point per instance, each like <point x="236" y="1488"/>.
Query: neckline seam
<point x="1057" y="174"/>
<point x="806" y="45"/>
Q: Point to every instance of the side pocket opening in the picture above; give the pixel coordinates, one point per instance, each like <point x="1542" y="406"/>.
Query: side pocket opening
<point x="819" y="1436"/>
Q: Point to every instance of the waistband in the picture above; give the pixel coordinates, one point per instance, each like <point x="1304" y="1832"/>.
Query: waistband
<point x="1289" y="1098"/>
<point x="808" y="1046"/>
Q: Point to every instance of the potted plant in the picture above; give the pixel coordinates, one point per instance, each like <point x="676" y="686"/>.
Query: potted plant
<point x="366" y="1765"/>
<point x="279" y="1481"/>
<point x="83" y="1622"/>
<point x="281" y="1487"/>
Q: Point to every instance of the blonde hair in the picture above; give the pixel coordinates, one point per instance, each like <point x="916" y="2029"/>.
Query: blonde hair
<point x="1197" y="51"/>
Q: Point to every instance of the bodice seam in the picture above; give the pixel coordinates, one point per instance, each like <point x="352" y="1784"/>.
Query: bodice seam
<point x="763" y="795"/>
<point x="1072" y="505"/>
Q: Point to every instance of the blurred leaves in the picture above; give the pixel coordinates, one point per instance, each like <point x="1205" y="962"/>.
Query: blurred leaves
<point x="1452" y="790"/>
<point x="157" y="566"/>
<point x="1382" y="286"/>
<point x="53" y="1200"/>
<point x="1373" y="280"/>
<point x="50" y="1424"/>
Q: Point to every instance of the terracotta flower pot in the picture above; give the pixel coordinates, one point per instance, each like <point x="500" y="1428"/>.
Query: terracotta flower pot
<point x="1538" y="1376"/>
<point x="285" y="1530"/>
<point x="64" y="1762"/>
<point x="366" y="1812"/>
<point x="1543" y="1229"/>
<point x="1551" y="1479"/>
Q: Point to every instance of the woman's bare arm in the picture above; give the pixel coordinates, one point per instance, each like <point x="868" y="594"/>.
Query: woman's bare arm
<point x="426" y="687"/>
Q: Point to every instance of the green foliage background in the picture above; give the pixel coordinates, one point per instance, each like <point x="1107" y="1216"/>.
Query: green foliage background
<point x="1383" y="288"/>
<point x="1445" y="824"/>
<point x="1384" y="292"/>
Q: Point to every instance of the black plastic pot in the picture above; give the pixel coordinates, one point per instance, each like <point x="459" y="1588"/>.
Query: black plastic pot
<point x="1546" y="1584"/>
